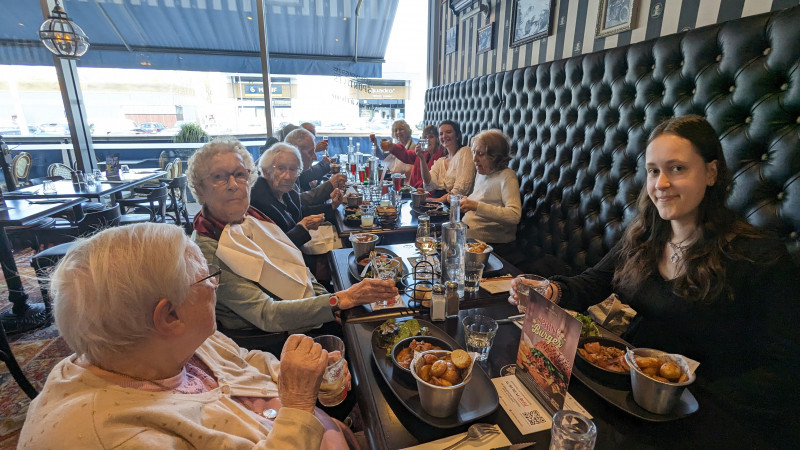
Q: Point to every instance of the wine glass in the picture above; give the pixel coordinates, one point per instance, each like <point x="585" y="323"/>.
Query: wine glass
<point x="426" y="244"/>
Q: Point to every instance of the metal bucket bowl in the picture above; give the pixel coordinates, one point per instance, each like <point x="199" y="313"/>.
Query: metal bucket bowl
<point x="655" y="396"/>
<point x="438" y="401"/>
<point x="480" y="258"/>
<point x="363" y="243"/>
<point x="418" y="199"/>
<point x="353" y="201"/>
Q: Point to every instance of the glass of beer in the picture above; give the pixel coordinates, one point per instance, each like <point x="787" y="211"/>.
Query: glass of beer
<point x="332" y="389"/>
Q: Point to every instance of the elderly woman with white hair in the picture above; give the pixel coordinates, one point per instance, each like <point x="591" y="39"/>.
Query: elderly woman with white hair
<point x="274" y="194"/>
<point x="136" y="305"/>
<point x="265" y="283"/>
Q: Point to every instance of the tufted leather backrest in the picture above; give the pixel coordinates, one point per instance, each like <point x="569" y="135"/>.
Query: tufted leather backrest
<point x="579" y="128"/>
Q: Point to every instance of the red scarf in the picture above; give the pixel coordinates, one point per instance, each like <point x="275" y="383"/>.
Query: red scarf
<point x="210" y="227"/>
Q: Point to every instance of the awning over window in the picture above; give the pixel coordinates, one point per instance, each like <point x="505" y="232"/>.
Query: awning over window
<point x="310" y="37"/>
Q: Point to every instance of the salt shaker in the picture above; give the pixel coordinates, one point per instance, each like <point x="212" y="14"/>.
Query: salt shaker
<point x="438" y="303"/>
<point x="451" y="298"/>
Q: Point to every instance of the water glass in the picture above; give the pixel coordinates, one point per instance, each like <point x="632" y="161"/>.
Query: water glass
<point x="473" y="272"/>
<point x="98" y="175"/>
<point x="423" y="143"/>
<point x="125" y="168"/>
<point x="386" y="271"/>
<point x="367" y="216"/>
<point x="525" y="283"/>
<point x="332" y="389"/>
<point x="572" y="430"/>
<point x="479" y="332"/>
<point x="89" y="179"/>
<point x="48" y="187"/>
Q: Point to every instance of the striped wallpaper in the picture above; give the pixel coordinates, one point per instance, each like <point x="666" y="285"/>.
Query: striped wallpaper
<point x="573" y="31"/>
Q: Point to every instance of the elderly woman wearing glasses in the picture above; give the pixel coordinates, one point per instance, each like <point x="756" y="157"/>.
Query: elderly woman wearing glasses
<point x="265" y="283"/>
<point x="494" y="208"/>
<point x="150" y="370"/>
<point x="274" y="194"/>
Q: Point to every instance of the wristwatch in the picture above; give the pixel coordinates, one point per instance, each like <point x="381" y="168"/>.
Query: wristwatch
<point x="334" y="302"/>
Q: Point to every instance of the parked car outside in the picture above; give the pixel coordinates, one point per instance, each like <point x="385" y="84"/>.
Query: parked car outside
<point x="152" y="127"/>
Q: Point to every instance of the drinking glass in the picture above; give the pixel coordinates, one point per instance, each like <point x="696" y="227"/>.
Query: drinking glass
<point x="386" y="271"/>
<point x="98" y="175"/>
<point x="479" y="332"/>
<point x="48" y="187"/>
<point x="367" y="216"/>
<point x="89" y="179"/>
<point x="425" y="242"/>
<point x="572" y="430"/>
<point x="332" y="389"/>
<point x="473" y="271"/>
<point x="423" y="143"/>
<point x="125" y="168"/>
<point x="325" y="140"/>
<point x="525" y="283"/>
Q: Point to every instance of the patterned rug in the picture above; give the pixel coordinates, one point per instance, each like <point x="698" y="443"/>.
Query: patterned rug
<point x="37" y="352"/>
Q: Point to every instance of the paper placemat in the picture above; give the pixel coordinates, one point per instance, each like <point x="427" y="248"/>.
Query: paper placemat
<point x="488" y="442"/>
<point x="497" y="285"/>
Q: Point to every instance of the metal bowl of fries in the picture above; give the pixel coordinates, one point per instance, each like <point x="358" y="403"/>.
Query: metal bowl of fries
<point x="478" y="252"/>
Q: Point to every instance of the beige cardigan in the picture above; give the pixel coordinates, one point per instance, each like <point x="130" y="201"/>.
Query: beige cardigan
<point x="77" y="409"/>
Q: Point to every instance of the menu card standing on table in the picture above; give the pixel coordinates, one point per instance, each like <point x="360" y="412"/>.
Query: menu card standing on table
<point x="547" y="351"/>
<point x="112" y="167"/>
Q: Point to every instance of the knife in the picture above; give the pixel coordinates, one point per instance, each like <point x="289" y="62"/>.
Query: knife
<point x="516" y="446"/>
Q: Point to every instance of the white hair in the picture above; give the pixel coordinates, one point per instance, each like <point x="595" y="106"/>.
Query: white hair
<point x="107" y="286"/>
<point x="266" y="160"/>
<point x="297" y="137"/>
<point x="200" y="162"/>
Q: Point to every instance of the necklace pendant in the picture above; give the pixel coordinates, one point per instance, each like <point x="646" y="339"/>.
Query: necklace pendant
<point x="674" y="258"/>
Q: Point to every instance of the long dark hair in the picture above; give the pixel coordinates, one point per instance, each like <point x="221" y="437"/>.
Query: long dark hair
<point x="703" y="275"/>
<point x="456" y="129"/>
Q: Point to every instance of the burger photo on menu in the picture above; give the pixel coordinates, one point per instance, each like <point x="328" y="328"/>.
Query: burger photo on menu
<point x="547" y="351"/>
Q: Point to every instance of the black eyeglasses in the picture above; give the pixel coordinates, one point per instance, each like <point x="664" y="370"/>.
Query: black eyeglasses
<point x="213" y="272"/>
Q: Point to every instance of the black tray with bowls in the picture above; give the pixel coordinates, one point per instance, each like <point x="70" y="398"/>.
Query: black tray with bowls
<point x="356" y="268"/>
<point x="400" y="371"/>
<point x="479" y="399"/>
<point x="427" y="206"/>
<point x="612" y="389"/>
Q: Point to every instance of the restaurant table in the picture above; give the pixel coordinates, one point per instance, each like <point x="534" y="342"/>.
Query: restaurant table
<point x="18" y="212"/>
<point x="342" y="279"/>
<point x="389" y="425"/>
<point x="65" y="188"/>
<point x="404" y="230"/>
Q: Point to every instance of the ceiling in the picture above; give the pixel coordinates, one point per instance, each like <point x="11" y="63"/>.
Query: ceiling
<point x="312" y="37"/>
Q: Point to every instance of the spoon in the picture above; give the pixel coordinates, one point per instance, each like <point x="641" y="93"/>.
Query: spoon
<point x="476" y="431"/>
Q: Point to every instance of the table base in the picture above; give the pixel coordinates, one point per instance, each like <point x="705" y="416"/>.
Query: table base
<point x="35" y="316"/>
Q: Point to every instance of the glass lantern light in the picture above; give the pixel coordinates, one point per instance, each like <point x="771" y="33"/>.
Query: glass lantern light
<point x="62" y="36"/>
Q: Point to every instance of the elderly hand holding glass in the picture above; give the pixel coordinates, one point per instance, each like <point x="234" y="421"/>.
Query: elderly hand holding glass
<point x="147" y="348"/>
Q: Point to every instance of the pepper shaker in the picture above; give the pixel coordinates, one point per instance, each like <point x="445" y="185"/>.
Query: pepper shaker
<point x="451" y="298"/>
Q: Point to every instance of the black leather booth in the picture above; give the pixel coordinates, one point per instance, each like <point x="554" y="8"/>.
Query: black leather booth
<point x="579" y="128"/>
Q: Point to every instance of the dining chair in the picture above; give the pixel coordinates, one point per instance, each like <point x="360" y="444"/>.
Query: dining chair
<point x="7" y="356"/>
<point x="177" y="168"/>
<point x="176" y="202"/>
<point x="162" y="159"/>
<point x="154" y="204"/>
<point x="21" y="168"/>
<point x="43" y="261"/>
<point x="59" y="170"/>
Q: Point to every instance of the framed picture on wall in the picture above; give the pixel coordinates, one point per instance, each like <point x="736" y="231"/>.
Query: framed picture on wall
<point x="485" y="39"/>
<point x="615" y="16"/>
<point x="531" y="20"/>
<point x="450" y="40"/>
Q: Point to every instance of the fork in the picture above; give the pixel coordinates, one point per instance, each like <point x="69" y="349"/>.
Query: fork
<point x="476" y="431"/>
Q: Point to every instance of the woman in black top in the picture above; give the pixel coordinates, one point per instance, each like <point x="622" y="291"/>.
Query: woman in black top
<point x="704" y="283"/>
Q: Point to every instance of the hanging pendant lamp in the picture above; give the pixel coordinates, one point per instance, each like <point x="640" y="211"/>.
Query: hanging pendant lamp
<point x="62" y="36"/>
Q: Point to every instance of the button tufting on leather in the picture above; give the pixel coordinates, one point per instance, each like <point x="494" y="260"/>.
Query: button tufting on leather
<point x="784" y="86"/>
<point x="748" y="119"/>
<point x="765" y="156"/>
<point x="766" y="51"/>
<point x="780" y="196"/>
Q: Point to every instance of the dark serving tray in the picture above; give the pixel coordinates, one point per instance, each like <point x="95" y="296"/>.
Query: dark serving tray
<point x="479" y="399"/>
<point x="355" y="271"/>
<point x="623" y="398"/>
